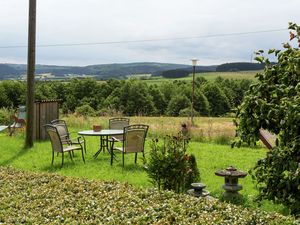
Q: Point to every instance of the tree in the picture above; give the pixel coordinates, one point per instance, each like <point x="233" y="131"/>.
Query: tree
<point x="158" y="99"/>
<point x="14" y="93"/>
<point x="233" y="89"/>
<point x="177" y="103"/>
<point x="201" y="104"/>
<point x="219" y="104"/>
<point x="274" y="104"/>
<point x="136" y="99"/>
<point x="44" y="91"/>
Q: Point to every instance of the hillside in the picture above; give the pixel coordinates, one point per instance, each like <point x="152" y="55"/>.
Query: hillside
<point x="117" y="70"/>
<point x="102" y="71"/>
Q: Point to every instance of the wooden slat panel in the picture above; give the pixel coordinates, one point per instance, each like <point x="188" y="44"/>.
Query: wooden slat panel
<point x="45" y="112"/>
<point x="42" y="120"/>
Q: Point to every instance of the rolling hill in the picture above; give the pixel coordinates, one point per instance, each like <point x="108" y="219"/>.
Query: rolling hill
<point x="116" y="70"/>
<point x="102" y="71"/>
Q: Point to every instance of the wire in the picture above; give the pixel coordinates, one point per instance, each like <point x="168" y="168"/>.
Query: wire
<point x="148" y="40"/>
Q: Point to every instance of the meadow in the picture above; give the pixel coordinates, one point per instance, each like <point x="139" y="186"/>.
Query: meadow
<point x="210" y="144"/>
<point x="210" y="76"/>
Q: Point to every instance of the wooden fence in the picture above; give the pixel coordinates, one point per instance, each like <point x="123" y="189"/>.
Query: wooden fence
<point x="44" y="112"/>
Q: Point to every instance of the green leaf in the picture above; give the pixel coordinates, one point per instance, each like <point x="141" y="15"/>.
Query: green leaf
<point x="259" y="59"/>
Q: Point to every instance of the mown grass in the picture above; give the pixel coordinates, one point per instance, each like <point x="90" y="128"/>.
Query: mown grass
<point x="210" y="158"/>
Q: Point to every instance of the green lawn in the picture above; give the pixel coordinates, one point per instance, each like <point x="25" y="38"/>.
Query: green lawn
<point x="210" y="158"/>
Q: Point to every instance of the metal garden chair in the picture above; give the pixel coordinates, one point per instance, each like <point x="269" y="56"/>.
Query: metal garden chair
<point x="66" y="135"/>
<point x="117" y="123"/>
<point x="133" y="141"/>
<point x="58" y="144"/>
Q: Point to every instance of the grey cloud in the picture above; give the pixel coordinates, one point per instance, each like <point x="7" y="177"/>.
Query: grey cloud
<point x="77" y="21"/>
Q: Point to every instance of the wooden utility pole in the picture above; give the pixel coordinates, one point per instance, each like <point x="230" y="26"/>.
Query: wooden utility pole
<point x="193" y="96"/>
<point x="30" y="73"/>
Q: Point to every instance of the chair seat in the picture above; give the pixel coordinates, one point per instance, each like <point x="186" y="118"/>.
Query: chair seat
<point x="115" y="139"/>
<point x="119" y="149"/>
<point x="71" y="148"/>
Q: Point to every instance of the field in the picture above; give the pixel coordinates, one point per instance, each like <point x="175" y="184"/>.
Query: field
<point x="210" y="155"/>
<point x="209" y="76"/>
<point x="205" y="129"/>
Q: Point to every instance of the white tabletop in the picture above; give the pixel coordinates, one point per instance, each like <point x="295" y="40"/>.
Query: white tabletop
<point x="100" y="133"/>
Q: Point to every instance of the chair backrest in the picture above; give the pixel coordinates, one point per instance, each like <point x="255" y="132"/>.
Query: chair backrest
<point x="134" y="137"/>
<point x="54" y="138"/>
<point x="118" y="123"/>
<point x="62" y="129"/>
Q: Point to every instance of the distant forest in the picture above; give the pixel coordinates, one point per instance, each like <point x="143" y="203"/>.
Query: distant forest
<point x="239" y="66"/>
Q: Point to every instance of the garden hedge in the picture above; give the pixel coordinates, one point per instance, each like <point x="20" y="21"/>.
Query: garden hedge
<point x="43" y="198"/>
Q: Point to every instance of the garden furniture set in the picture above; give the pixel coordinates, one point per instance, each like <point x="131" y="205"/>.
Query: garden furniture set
<point x="131" y="137"/>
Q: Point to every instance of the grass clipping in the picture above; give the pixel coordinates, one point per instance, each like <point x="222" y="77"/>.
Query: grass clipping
<point x="41" y="198"/>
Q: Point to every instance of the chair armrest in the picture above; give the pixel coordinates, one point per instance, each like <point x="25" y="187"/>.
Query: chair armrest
<point x="114" y="139"/>
<point x="76" y="140"/>
<point x="63" y="136"/>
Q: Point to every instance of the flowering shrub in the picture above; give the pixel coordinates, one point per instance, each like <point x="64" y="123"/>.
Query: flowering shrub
<point x="42" y="198"/>
<point x="169" y="166"/>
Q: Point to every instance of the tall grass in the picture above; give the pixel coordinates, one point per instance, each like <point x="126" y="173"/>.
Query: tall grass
<point x="219" y="130"/>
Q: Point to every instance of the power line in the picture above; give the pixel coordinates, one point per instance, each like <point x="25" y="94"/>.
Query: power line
<point x="148" y="40"/>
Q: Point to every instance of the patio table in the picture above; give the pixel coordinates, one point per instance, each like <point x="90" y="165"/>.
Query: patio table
<point x="103" y="134"/>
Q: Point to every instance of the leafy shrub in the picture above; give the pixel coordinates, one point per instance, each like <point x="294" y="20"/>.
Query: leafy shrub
<point x="169" y="166"/>
<point x="32" y="198"/>
<point x="109" y="112"/>
<point x="177" y="103"/>
<point x="5" y="116"/>
<point x="187" y="112"/>
<point x="274" y="104"/>
<point x="85" y="110"/>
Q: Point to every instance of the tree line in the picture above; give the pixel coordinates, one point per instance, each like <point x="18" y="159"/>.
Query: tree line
<point x="133" y="97"/>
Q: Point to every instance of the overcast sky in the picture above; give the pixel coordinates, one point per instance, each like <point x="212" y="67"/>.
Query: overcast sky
<point x="98" y="21"/>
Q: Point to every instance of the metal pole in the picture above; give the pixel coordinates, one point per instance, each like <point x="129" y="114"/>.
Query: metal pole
<point x="30" y="73"/>
<point x="193" y="96"/>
